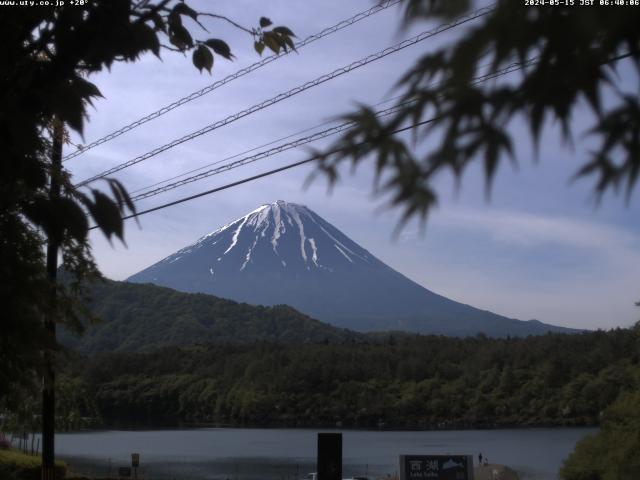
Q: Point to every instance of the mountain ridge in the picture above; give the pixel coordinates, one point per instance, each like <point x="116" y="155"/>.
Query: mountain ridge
<point x="137" y="317"/>
<point x="284" y="253"/>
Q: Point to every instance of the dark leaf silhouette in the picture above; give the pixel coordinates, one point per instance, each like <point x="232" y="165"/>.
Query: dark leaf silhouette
<point x="220" y="47"/>
<point x="184" y="9"/>
<point x="202" y="58"/>
<point x="284" y="31"/>
<point x="265" y="22"/>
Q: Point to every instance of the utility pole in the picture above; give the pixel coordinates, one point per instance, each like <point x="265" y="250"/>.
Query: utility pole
<point x="48" y="382"/>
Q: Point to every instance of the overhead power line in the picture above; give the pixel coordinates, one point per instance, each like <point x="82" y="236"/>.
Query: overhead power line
<point x="304" y="140"/>
<point x="235" y="155"/>
<point x="509" y="69"/>
<point x="258" y="147"/>
<point x="253" y="149"/>
<point x="254" y="158"/>
<point x="316" y="157"/>
<point x="250" y="179"/>
<point x="240" y="73"/>
<point x="294" y="91"/>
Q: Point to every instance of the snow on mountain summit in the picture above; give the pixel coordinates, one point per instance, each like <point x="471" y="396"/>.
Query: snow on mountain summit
<point x="284" y="253"/>
<point x="272" y="229"/>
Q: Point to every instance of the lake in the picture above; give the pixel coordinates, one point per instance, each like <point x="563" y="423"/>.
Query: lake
<point x="289" y="454"/>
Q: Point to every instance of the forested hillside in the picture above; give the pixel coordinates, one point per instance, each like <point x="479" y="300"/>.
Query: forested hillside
<point x="398" y="381"/>
<point x="136" y="317"/>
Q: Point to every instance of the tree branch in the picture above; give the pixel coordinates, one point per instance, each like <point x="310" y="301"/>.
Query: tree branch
<point x="155" y="9"/>
<point x="173" y="49"/>
<point x="227" y="19"/>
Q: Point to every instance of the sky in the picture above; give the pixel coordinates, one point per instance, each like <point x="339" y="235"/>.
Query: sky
<point x="539" y="248"/>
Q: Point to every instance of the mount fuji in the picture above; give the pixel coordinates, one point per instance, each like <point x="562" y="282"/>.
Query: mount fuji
<point x="284" y="253"/>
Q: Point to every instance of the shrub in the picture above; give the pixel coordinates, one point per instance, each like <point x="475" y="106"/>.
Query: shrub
<point x="614" y="452"/>
<point x="18" y="466"/>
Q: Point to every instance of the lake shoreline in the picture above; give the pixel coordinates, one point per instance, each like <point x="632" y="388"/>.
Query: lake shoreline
<point x="160" y="424"/>
<point x="276" y="454"/>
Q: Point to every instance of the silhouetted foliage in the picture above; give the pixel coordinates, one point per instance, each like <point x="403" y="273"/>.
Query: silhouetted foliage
<point x="46" y="56"/>
<point x="575" y="52"/>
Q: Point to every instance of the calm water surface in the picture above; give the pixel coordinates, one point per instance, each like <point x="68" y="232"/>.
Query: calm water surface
<point x="288" y="454"/>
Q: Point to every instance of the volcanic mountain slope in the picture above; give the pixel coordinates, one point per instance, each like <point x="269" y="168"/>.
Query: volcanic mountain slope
<point x="283" y="253"/>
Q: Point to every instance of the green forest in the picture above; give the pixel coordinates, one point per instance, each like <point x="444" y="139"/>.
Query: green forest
<point x="396" y="380"/>
<point x="160" y="357"/>
<point x="133" y="317"/>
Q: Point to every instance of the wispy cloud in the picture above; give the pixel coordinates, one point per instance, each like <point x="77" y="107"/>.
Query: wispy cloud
<point x="532" y="230"/>
<point x="555" y="268"/>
